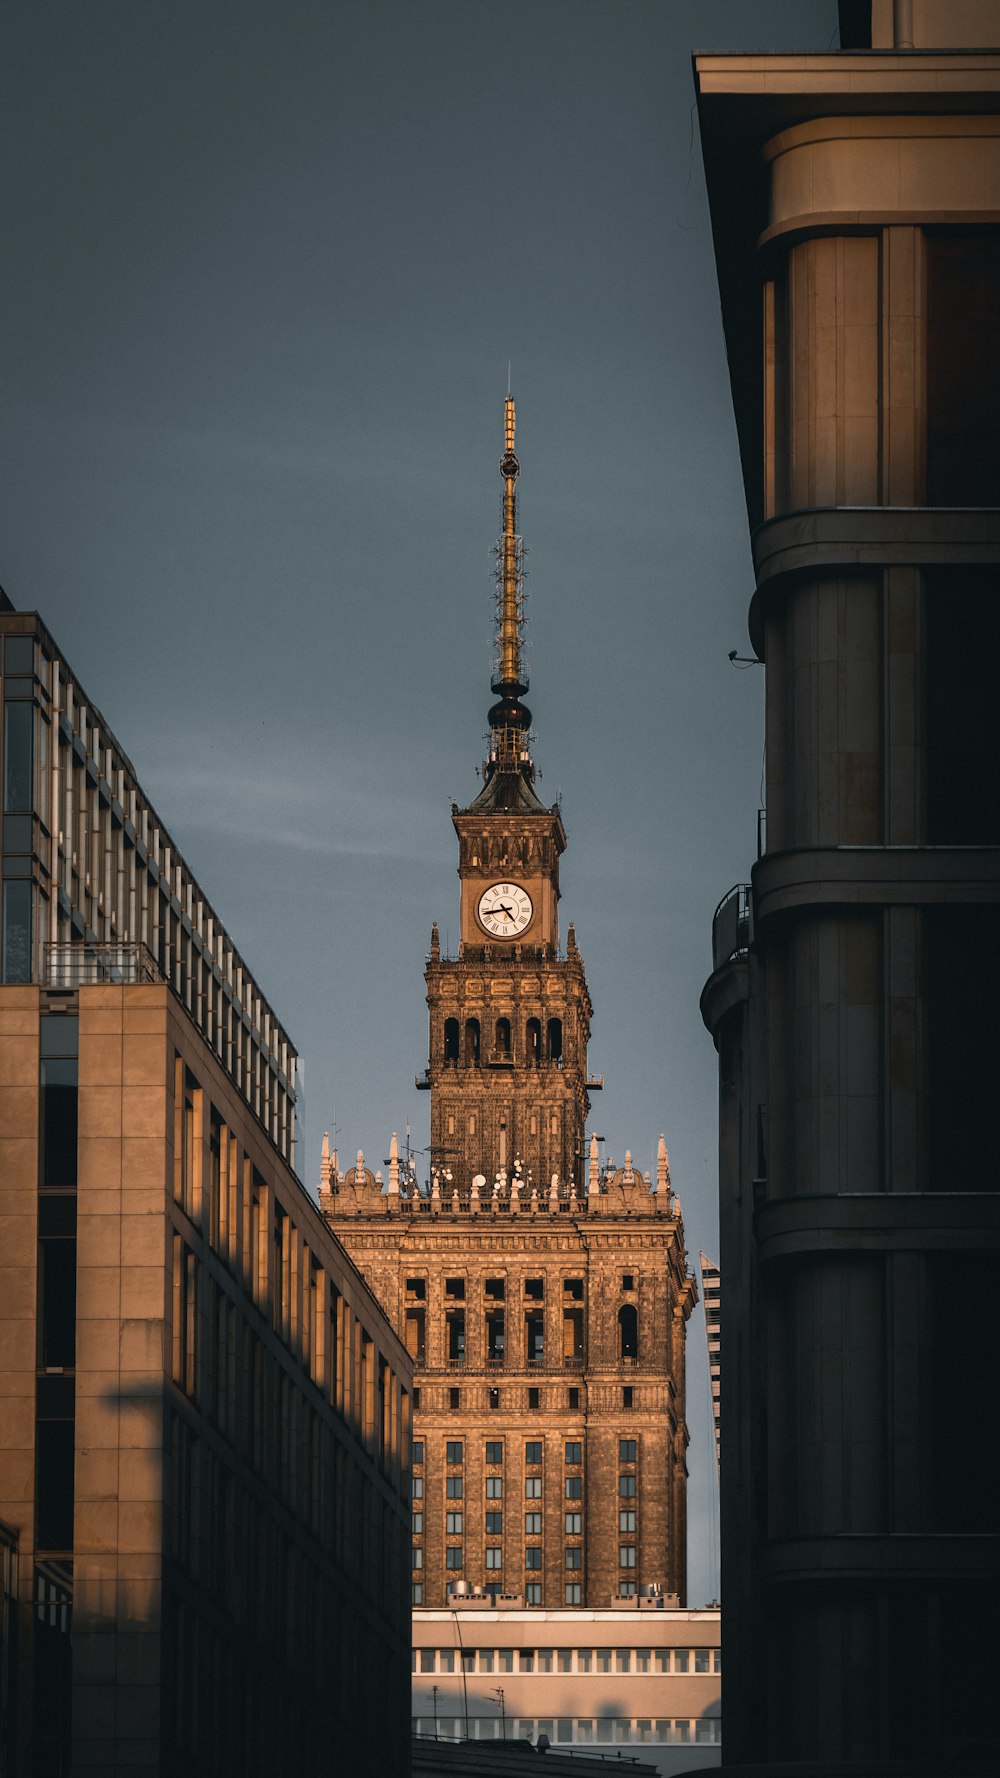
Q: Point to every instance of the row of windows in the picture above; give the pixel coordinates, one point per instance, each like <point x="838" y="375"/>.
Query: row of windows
<point x="532" y="1524"/>
<point x="454" y="1451"/>
<point x="218" y="1359"/>
<point x="70" y="801"/>
<point x="466" y="1045"/>
<point x="567" y="1660"/>
<point x="532" y="1399"/>
<point x="584" y="1731"/>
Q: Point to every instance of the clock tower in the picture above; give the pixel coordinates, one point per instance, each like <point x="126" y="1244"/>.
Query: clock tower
<point x="509" y="1016"/>
<point x="541" y="1293"/>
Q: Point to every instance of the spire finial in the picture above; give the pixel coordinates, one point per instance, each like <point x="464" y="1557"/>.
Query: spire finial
<point x="509" y="720"/>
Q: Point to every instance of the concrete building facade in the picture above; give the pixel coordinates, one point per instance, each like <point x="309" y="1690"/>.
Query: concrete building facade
<point x="204" y="1430"/>
<point x="639" y="1680"/>
<point x="856" y="209"/>
<point x="542" y="1294"/>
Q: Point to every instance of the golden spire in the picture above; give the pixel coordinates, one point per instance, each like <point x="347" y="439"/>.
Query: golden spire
<point x="509" y="720"/>
<point x="510" y="575"/>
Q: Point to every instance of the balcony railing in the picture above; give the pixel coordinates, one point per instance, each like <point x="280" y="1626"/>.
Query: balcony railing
<point x="91" y="965"/>
<point x="732" y="926"/>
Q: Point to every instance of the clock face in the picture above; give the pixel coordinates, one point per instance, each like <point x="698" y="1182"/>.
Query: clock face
<point x="505" y="910"/>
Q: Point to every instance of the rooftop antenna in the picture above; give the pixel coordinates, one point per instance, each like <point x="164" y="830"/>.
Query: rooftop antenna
<point x="508" y="376"/>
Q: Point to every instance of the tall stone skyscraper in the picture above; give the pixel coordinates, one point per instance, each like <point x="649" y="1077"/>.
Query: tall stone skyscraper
<point x="542" y="1296"/>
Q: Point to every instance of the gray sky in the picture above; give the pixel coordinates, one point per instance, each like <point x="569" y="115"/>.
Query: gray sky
<point x="264" y="267"/>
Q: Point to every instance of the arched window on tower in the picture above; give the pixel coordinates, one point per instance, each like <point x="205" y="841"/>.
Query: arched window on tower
<point x="628" y="1333"/>
<point x="555" y="1040"/>
<point x="533" y="1042"/>
<point x="503" y="1037"/>
<point x="451" y="1040"/>
<point x="472" y="1043"/>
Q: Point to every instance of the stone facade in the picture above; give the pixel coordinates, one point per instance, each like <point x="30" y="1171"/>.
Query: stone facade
<point x="855" y="204"/>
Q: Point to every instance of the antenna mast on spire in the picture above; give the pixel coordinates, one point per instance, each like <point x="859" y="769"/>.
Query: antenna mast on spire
<point x="509" y="720"/>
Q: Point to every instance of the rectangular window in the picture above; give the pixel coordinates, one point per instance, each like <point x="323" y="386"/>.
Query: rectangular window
<point x="18" y="758"/>
<point x="574" y="1524"/>
<point x="533" y="1451"/>
<point x="626" y="1589"/>
<point x="494" y="1451"/>
<point x="494" y="1487"/>
<point x="533" y="1593"/>
<point x="643" y="1657"/>
<point x="417" y="1456"/>
<point x="533" y="1557"/>
<point x="494" y="1524"/>
<point x="573" y="1399"/>
<point x="446" y="1660"/>
<point x="416" y="1557"/>
<point x="701" y="1660"/>
<point x="453" y="1487"/>
<point x="533" y="1398"/>
<point x="681" y="1660"/>
<point x="453" y="1524"/>
<point x="623" y="1660"/>
<point x="564" y="1660"/>
<point x="494" y="1556"/>
<point x="453" y="1556"/>
<point x="574" y="1556"/>
<point x="626" y="1450"/>
<point x="533" y="1487"/>
<point x="454" y="1398"/>
<point x="626" y="1555"/>
<point x="717" y="1662"/>
<point x="584" y="1660"/>
<point x="494" y="1398"/>
<point x="417" y="1488"/>
<point x="533" y="1524"/>
<point x="453" y="1451"/>
<point x="427" y="1660"/>
<point x="17" y="931"/>
<point x="628" y="1396"/>
<point x="574" y="1451"/>
<point x="485" y="1660"/>
<point x="543" y="1660"/>
<point x="574" y="1487"/>
<point x="626" y="1487"/>
<point x="526" y="1660"/>
<point x="417" y="1592"/>
<point x="58" y="1082"/>
<point x="604" y="1660"/>
<point x="418" y="1524"/>
<point x="626" y="1520"/>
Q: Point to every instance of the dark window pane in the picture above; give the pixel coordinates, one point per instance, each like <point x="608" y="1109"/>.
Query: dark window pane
<point x="57" y="1214"/>
<point x="963" y="737"/>
<point x="17" y="931"/>
<point x="58" y="1122"/>
<point x="962" y="948"/>
<point x="57" y="1308"/>
<point x="18" y="758"/>
<point x="19" y="654"/>
<point x="60" y="1036"/>
<point x="963" y="371"/>
<point x="18" y="833"/>
<point x="54" y="1485"/>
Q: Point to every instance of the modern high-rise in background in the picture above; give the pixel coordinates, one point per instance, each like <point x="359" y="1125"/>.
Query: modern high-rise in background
<point x="204" y="1430"/>
<point x="541" y="1289"/>
<point x="855" y="202"/>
